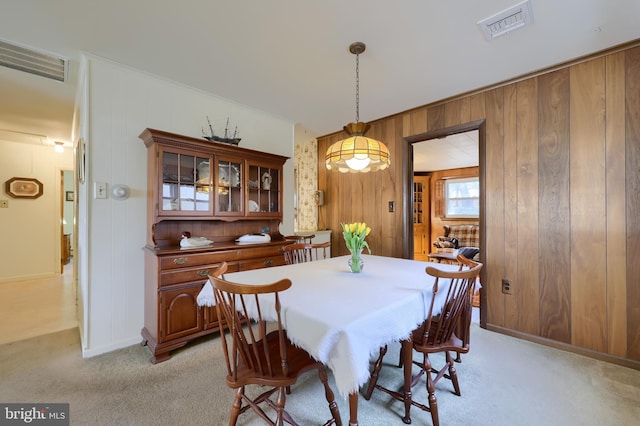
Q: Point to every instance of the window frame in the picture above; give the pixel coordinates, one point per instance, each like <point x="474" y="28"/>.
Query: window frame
<point x="446" y="198"/>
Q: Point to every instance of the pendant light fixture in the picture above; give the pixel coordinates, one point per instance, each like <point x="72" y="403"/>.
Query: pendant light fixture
<point x="357" y="153"/>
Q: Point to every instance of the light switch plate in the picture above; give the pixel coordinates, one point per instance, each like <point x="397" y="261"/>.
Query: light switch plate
<point x="100" y="190"/>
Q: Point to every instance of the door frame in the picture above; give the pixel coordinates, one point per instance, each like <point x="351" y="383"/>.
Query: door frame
<point x="407" y="187"/>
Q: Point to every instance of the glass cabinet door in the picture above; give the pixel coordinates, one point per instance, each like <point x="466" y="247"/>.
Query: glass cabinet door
<point x="264" y="190"/>
<point x="186" y="183"/>
<point x="417" y="202"/>
<point x="230" y="188"/>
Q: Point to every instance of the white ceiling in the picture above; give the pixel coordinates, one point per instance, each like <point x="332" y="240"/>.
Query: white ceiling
<point x="453" y="152"/>
<point x="290" y="57"/>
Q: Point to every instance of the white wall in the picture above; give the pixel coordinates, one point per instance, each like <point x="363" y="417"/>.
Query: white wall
<point x="30" y="229"/>
<point x="121" y="103"/>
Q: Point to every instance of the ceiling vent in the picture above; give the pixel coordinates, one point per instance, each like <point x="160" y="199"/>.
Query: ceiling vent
<point x="506" y="21"/>
<point x="32" y="61"/>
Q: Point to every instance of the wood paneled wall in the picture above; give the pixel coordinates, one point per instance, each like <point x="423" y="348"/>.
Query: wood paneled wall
<point x="561" y="175"/>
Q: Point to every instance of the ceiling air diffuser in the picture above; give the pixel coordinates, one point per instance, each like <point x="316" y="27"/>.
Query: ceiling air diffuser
<point x="32" y="61"/>
<point x="508" y="20"/>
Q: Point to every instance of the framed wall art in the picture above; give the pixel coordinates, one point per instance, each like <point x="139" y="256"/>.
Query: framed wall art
<point x="19" y="187"/>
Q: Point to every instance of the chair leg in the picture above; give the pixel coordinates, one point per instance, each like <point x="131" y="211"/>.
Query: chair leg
<point x="406" y="360"/>
<point x="431" y="389"/>
<point x="237" y="405"/>
<point x="286" y="417"/>
<point x="453" y="375"/>
<point x="328" y="393"/>
<point x="374" y="375"/>
<point x="280" y="401"/>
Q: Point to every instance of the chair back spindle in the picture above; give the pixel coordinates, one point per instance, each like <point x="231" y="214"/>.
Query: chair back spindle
<point x="304" y="252"/>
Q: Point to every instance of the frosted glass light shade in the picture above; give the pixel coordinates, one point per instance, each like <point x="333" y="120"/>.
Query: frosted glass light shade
<point x="357" y="154"/>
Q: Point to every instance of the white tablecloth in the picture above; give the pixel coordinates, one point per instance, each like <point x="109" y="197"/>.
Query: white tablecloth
<point x="342" y="318"/>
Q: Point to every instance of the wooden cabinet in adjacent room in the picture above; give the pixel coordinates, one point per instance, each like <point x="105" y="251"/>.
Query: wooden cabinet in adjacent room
<point x="421" y="247"/>
<point x="65" y="256"/>
<point x="202" y="189"/>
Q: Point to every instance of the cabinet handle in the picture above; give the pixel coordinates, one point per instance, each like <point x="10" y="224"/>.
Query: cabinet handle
<point x="203" y="273"/>
<point x="268" y="263"/>
<point x="180" y="260"/>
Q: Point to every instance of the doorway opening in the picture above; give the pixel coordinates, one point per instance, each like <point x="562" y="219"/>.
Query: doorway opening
<point x="66" y="218"/>
<point x="413" y="166"/>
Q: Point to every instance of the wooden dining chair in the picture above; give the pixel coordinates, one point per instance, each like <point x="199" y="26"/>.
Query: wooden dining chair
<point x="304" y="252"/>
<point x="436" y="334"/>
<point x="463" y="329"/>
<point x="257" y="357"/>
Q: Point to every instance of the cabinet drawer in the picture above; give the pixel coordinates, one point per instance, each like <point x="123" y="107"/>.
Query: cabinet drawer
<point x="192" y="260"/>
<point x="263" y="262"/>
<point x="200" y="273"/>
<point x="186" y="275"/>
<point x="217" y="257"/>
<point x="263" y="252"/>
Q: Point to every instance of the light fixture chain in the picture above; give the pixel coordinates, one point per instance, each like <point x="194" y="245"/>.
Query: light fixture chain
<point x="357" y="87"/>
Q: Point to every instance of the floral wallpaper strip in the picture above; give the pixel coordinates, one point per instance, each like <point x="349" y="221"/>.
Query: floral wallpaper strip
<point x="306" y="169"/>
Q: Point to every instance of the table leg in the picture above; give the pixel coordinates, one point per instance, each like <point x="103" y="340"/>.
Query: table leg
<point x="407" y="360"/>
<point x="353" y="408"/>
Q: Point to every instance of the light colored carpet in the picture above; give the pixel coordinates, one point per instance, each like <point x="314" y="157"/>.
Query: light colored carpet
<point x="504" y="381"/>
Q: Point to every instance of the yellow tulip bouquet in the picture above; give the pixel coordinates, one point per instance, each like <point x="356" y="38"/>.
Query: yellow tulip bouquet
<point x="354" y="235"/>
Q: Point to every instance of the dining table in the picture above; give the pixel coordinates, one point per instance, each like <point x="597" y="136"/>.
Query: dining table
<point x="343" y="319"/>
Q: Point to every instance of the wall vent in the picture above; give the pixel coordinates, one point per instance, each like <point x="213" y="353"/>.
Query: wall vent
<point x="32" y="61"/>
<point x="506" y="21"/>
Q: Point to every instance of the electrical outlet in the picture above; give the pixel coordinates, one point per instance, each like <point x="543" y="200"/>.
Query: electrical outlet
<point x="507" y="287"/>
<point x="4" y="204"/>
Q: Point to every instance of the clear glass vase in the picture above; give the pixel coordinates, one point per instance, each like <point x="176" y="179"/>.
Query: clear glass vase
<point x="355" y="262"/>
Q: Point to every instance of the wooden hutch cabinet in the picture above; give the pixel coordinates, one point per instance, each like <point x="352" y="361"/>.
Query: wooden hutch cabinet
<point x="208" y="189"/>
